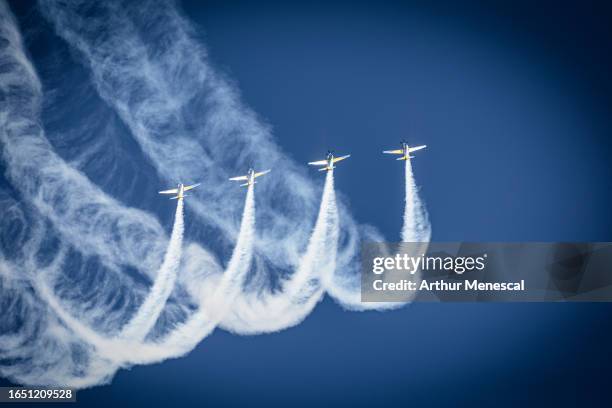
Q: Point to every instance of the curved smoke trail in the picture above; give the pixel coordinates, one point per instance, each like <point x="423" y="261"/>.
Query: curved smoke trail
<point x="213" y="305"/>
<point x="298" y="295"/>
<point x="128" y="347"/>
<point x="148" y="313"/>
<point x="88" y="221"/>
<point x="415" y="234"/>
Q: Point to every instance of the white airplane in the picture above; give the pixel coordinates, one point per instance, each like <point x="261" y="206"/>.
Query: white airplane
<point x="250" y="177"/>
<point x="405" y="151"/>
<point x="179" y="191"/>
<point x="329" y="161"/>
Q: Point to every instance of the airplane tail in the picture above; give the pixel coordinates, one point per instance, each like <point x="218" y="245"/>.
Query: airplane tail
<point x="402" y="158"/>
<point x="326" y="169"/>
<point x="246" y="184"/>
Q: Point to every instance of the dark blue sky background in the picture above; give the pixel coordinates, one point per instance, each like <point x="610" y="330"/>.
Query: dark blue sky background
<point x="514" y="102"/>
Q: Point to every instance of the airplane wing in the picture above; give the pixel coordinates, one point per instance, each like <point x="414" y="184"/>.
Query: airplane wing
<point x="261" y="173"/>
<point x="414" y="149"/>
<point x="173" y="191"/>
<point x="187" y="188"/>
<point x="239" y="178"/>
<point x="337" y="159"/>
<point x="400" y="151"/>
<point x="318" y="163"/>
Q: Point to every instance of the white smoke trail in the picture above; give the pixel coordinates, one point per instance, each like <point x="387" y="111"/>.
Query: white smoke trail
<point x="416" y="230"/>
<point x="416" y="226"/>
<point x="184" y="337"/>
<point x="319" y="259"/>
<point x="127" y="348"/>
<point x="239" y="264"/>
<point x="301" y="292"/>
<point x="148" y="313"/>
<point x="250" y="315"/>
<point x="84" y="217"/>
<point x="297" y="299"/>
<point x="52" y="340"/>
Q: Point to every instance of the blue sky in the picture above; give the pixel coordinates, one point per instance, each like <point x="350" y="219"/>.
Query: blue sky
<point x="513" y="112"/>
<point x="514" y="104"/>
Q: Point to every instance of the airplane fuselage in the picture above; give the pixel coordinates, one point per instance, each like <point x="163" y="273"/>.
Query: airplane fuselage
<point x="330" y="162"/>
<point x="181" y="191"/>
<point x="251" y="175"/>
<point x="406" y="151"/>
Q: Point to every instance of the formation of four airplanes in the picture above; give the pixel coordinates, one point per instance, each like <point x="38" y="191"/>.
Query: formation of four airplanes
<point x="328" y="164"/>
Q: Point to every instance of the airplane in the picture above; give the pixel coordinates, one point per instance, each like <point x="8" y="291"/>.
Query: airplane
<point x="179" y="191"/>
<point x="250" y="177"/>
<point x="405" y="151"/>
<point x="329" y="161"/>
